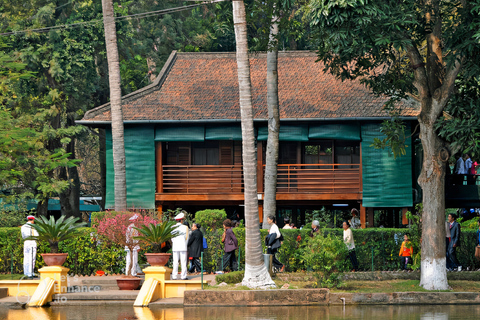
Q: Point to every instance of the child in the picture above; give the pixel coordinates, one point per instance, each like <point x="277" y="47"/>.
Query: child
<point x="406" y="252"/>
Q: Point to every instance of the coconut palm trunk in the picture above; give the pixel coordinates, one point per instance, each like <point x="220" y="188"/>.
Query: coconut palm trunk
<point x="256" y="274"/>
<point x="118" y="146"/>
<point x="270" y="198"/>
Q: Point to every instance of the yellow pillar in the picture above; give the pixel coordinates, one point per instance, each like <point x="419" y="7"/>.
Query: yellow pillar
<point x="160" y="274"/>
<point x="57" y="273"/>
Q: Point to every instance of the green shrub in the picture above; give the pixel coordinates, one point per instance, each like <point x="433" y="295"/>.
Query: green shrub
<point x="87" y="255"/>
<point x="211" y="218"/>
<point x="326" y="255"/>
<point x="231" y="277"/>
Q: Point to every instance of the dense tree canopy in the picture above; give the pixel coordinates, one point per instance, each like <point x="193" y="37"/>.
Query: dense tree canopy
<point x="407" y="49"/>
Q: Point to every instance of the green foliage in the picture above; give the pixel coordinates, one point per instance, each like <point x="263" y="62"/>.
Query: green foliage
<point x="55" y="231"/>
<point x="211" y="218"/>
<point x="326" y="255"/>
<point x="460" y="124"/>
<point x="231" y="277"/>
<point x="156" y="234"/>
<point x="12" y="214"/>
<point x="87" y="254"/>
<point x="394" y="131"/>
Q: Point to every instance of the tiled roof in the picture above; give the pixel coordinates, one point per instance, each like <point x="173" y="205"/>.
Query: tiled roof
<point x="203" y="86"/>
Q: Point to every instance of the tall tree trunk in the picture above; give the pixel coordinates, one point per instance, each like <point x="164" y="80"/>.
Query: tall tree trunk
<point x="102" y="160"/>
<point x="118" y="145"/>
<point x="70" y="197"/>
<point x="270" y="199"/>
<point x="435" y="84"/>
<point x="256" y="274"/>
<point x="42" y="207"/>
<point x="433" y="270"/>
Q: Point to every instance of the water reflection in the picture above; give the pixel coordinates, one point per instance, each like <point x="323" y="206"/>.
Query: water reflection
<point x="123" y="312"/>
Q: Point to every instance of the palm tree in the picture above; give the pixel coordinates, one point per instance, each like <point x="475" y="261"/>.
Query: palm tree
<point x="270" y="199"/>
<point x="256" y="274"/>
<point x="118" y="147"/>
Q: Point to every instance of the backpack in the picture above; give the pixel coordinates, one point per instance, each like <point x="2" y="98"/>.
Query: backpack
<point x="205" y="245"/>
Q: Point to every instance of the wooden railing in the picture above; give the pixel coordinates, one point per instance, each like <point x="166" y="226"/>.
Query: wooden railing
<point x="318" y="178"/>
<point x="292" y="178"/>
<point x="202" y="179"/>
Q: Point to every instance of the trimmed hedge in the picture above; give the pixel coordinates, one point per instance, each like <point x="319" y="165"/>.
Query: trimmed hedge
<point x="86" y="255"/>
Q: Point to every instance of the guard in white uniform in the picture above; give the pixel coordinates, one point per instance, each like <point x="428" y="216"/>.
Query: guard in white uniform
<point x="179" y="247"/>
<point x="29" y="247"/>
<point x="133" y="267"/>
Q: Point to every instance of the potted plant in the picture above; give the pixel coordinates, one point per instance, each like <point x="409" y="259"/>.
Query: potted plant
<point x="54" y="231"/>
<point x="157" y="235"/>
<point x="115" y="228"/>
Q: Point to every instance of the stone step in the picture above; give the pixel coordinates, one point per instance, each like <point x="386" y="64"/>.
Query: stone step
<point x="3" y="292"/>
<point x="107" y="295"/>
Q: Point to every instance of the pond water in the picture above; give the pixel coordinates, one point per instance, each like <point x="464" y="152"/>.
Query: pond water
<point x="121" y="312"/>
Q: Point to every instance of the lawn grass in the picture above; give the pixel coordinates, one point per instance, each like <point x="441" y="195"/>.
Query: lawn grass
<point x="11" y="276"/>
<point x="356" y="286"/>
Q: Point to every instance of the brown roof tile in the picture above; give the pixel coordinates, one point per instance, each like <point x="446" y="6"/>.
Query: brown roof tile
<point x="203" y="86"/>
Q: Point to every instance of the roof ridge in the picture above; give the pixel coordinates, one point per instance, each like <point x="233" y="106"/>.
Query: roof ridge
<point x="155" y="85"/>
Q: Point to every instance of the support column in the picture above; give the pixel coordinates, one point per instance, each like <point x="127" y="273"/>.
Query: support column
<point x="404" y="216"/>
<point x="260" y="167"/>
<point x="370" y="217"/>
<point x="260" y="212"/>
<point x="363" y="216"/>
<point x="160" y="212"/>
<point x="158" y="166"/>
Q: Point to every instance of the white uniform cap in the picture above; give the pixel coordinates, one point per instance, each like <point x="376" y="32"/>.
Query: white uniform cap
<point x="134" y="217"/>
<point x="180" y="216"/>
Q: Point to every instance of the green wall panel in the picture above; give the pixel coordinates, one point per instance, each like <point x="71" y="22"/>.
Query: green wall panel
<point x="180" y="133"/>
<point x="335" y="132"/>
<point x="387" y="182"/>
<point x="140" y="168"/>
<point x="287" y="133"/>
<point x="224" y="133"/>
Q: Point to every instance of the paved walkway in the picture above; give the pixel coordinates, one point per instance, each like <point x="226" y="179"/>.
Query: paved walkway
<point x="95" y="290"/>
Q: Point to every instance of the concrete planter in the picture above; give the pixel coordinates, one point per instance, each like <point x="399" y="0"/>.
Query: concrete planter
<point x="128" y="283"/>
<point x="54" y="259"/>
<point x="157" y="259"/>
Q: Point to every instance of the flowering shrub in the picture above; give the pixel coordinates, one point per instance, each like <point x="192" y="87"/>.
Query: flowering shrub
<point x="116" y="227"/>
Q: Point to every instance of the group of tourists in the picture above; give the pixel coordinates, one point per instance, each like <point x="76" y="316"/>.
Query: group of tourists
<point x="465" y="168"/>
<point x="189" y="244"/>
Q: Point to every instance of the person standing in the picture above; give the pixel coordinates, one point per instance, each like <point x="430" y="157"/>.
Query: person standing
<point x="274" y="242"/>
<point x="195" y="247"/>
<point x="468" y="169"/>
<point x="454" y="242"/>
<point x="355" y="221"/>
<point x="231" y="244"/>
<point x="406" y="252"/>
<point x="348" y="240"/>
<point x="179" y="247"/>
<point x="448" y="238"/>
<point x="286" y="222"/>
<point x="131" y="260"/>
<point x="29" y="247"/>
<point x="477" y="243"/>
<point x="315" y="228"/>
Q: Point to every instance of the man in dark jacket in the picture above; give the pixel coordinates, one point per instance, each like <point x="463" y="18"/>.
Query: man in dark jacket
<point x="195" y="248"/>
<point x="454" y="242"/>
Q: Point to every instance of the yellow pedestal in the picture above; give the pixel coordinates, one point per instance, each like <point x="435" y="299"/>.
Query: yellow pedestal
<point x="57" y="273"/>
<point x="160" y="274"/>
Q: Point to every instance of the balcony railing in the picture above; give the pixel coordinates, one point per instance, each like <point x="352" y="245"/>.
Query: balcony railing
<point x="292" y="178"/>
<point x="318" y="178"/>
<point x="203" y="179"/>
